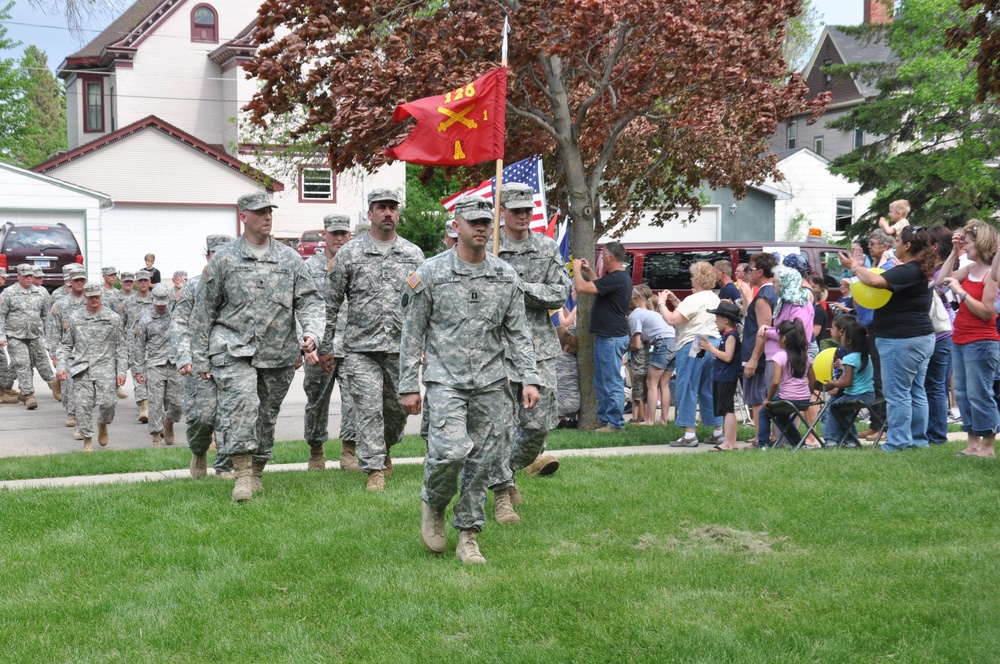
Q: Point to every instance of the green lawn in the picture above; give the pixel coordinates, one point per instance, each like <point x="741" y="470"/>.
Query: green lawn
<point x="830" y="556"/>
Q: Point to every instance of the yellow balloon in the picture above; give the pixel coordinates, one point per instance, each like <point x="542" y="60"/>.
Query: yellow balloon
<point x="823" y="365"/>
<point x="868" y="297"/>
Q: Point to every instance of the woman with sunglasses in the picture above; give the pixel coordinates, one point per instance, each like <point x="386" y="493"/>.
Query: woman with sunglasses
<point x="903" y="334"/>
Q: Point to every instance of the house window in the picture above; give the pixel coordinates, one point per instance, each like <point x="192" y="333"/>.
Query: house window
<point x="818" y="145"/>
<point x="859" y="138"/>
<point x="845" y="213"/>
<point x="93" y="104"/>
<point x="827" y="76"/>
<point x="317" y="185"/>
<point x="793" y="133"/>
<point x="204" y="24"/>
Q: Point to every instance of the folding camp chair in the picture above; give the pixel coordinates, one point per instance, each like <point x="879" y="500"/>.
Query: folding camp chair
<point x="795" y="414"/>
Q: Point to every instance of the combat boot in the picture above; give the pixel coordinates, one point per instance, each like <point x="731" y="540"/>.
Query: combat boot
<point x="317" y="458"/>
<point x="504" y="510"/>
<point x="121" y="393"/>
<point x="70" y="421"/>
<point x="432" y="527"/>
<point x="376" y="481"/>
<point x="88" y="445"/>
<point x="168" y="431"/>
<point x="348" y="457"/>
<point x="102" y="433"/>
<point x="468" y="548"/>
<point x="157" y="439"/>
<point x="515" y="495"/>
<point x="143" y="411"/>
<point x="10" y="398"/>
<point x="545" y="464"/>
<point x="256" y="478"/>
<point x="243" y="490"/>
<point x="56" y="389"/>
<point x="388" y="464"/>
<point x="30" y="402"/>
<point x="76" y="434"/>
<point x="199" y="465"/>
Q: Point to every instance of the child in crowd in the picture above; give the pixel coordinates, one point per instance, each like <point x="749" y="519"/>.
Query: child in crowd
<point x="656" y="336"/>
<point x="726" y="371"/>
<point x="856" y="382"/>
<point x="638" y="357"/>
<point x="793" y="376"/>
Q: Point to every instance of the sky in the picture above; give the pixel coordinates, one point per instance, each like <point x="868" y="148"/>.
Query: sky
<point x="55" y="38"/>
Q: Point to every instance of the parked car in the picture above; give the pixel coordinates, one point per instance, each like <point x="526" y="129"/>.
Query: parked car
<point x="49" y="247"/>
<point x="667" y="265"/>
<point x="310" y="244"/>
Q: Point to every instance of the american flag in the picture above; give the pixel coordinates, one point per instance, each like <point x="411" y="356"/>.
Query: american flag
<point x="527" y="171"/>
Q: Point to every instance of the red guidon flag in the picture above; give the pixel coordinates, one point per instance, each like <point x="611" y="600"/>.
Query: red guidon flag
<point x="459" y="128"/>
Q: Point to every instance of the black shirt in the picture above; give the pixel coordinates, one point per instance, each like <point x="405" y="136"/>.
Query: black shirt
<point x="609" y="317"/>
<point x="907" y="313"/>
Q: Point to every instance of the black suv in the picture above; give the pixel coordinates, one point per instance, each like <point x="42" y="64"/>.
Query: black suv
<point x="46" y="246"/>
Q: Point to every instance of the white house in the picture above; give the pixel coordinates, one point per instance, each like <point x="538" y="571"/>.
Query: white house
<point x="816" y="198"/>
<point x="38" y="199"/>
<point x="153" y="110"/>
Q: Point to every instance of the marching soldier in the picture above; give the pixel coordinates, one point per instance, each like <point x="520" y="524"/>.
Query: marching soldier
<point x="243" y="336"/>
<point x="470" y="300"/>
<point x="135" y="308"/>
<point x="200" y="402"/>
<point x="110" y="297"/>
<point x="93" y="355"/>
<point x="22" y="331"/>
<point x="62" y="309"/>
<point x="319" y="378"/>
<point x="370" y="273"/>
<point x="156" y="369"/>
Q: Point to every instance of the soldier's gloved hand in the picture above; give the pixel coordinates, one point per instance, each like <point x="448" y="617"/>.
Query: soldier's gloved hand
<point x="312" y="358"/>
<point x="328" y="363"/>
<point x="186" y="370"/>
<point x="307" y="344"/>
<point x="530" y="395"/>
<point x="411" y="402"/>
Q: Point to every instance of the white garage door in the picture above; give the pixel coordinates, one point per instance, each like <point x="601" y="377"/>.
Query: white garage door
<point x="705" y="228"/>
<point x="175" y="234"/>
<point x="73" y="220"/>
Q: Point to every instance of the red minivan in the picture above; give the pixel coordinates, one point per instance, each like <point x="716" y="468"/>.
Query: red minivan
<point x="666" y="265"/>
<point x="49" y="247"/>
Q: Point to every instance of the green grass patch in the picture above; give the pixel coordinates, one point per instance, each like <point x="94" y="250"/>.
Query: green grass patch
<point x="833" y="556"/>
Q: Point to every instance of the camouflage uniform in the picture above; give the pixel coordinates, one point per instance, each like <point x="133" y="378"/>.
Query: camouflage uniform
<point x="111" y="297"/>
<point x="22" y="315"/>
<point x="317" y="383"/>
<point x="372" y="282"/>
<point x="546" y="287"/>
<point x="155" y="358"/>
<point x="135" y="308"/>
<point x="6" y="371"/>
<point x="93" y="355"/>
<point x="462" y="318"/>
<point x="242" y="330"/>
<point x="199" y="403"/>
<point x="63" y="309"/>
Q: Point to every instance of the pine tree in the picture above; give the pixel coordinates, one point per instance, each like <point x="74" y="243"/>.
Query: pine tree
<point x="46" y="130"/>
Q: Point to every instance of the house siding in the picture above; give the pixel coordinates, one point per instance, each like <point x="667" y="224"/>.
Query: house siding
<point x="753" y="218"/>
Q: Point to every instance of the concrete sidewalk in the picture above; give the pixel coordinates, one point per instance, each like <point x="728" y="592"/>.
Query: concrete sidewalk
<point x="156" y="476"/>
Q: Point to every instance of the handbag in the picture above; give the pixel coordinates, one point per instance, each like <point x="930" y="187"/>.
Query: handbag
<point x="940" y="320"/>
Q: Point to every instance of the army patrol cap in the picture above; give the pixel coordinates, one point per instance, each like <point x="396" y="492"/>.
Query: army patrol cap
<point x="473" y="208"/>
<point x="160" y="294"/>
<point x="214" y="242"/>
<point x="109" y="270"/>
<point x="3" y="275"/>
<point x="258" y="200"/>
<point x="77" y="273"/>
<point x="181" y="273"/>
<point x="517" y="196"/>
<point x="37" y="272"/>
<point x="143" y="274"/>
<point x="127" y="276"/>
<point x="380" y="194"/>
<point x="25" y="269"/>
<point x="92" y="289"/>
<point x="449" y="230"/>
<point x="69" y="267"/>
<point x="333" y="223"/>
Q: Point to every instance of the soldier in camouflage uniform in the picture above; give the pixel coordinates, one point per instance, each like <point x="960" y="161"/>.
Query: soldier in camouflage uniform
<point x="546" y="286"/>
<point x="319" y="378"/>
<point x="93" y="355"/>
<point x="463" y="308"/>
<point x="243" y="336"/>
<point x="370" y="272"/>
<point x="22" y="316"/>
<point x="156" y="367"/>
<point x="63" y="308"/>
<point x="7" y="394"/>
<point x="135" y="308"/>
<point x="200" y="403"/>
<point x="111" y="298"/>
<point x="41" y="354"/>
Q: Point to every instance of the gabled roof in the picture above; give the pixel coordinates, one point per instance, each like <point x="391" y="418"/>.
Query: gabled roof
<point x="155" y="123"/>
<point x="244" y="44"/>
<point x="852" y="51"/>
<point x="103" y="199"/>
<point x="785" y="154"/>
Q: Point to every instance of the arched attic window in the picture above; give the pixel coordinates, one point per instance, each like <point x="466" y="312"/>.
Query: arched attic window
<point x="204" y="24"/>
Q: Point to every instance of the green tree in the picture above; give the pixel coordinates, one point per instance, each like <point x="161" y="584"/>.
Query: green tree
<point x="45" y="133"/>
<point x="935" y="145"/>
<point x="801" y="36"/>
<point x="422" y="220"/>
<point x="13" y="89"/>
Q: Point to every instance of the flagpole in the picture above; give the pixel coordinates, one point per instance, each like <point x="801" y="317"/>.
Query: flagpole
<point x="498" y="186"/>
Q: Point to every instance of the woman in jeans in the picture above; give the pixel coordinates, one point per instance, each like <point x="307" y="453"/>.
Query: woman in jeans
<point x="694" y="372"/>
<point x="939" y="366"/>
<point x="975" y="342"/>
<point x="904" y="336"/>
